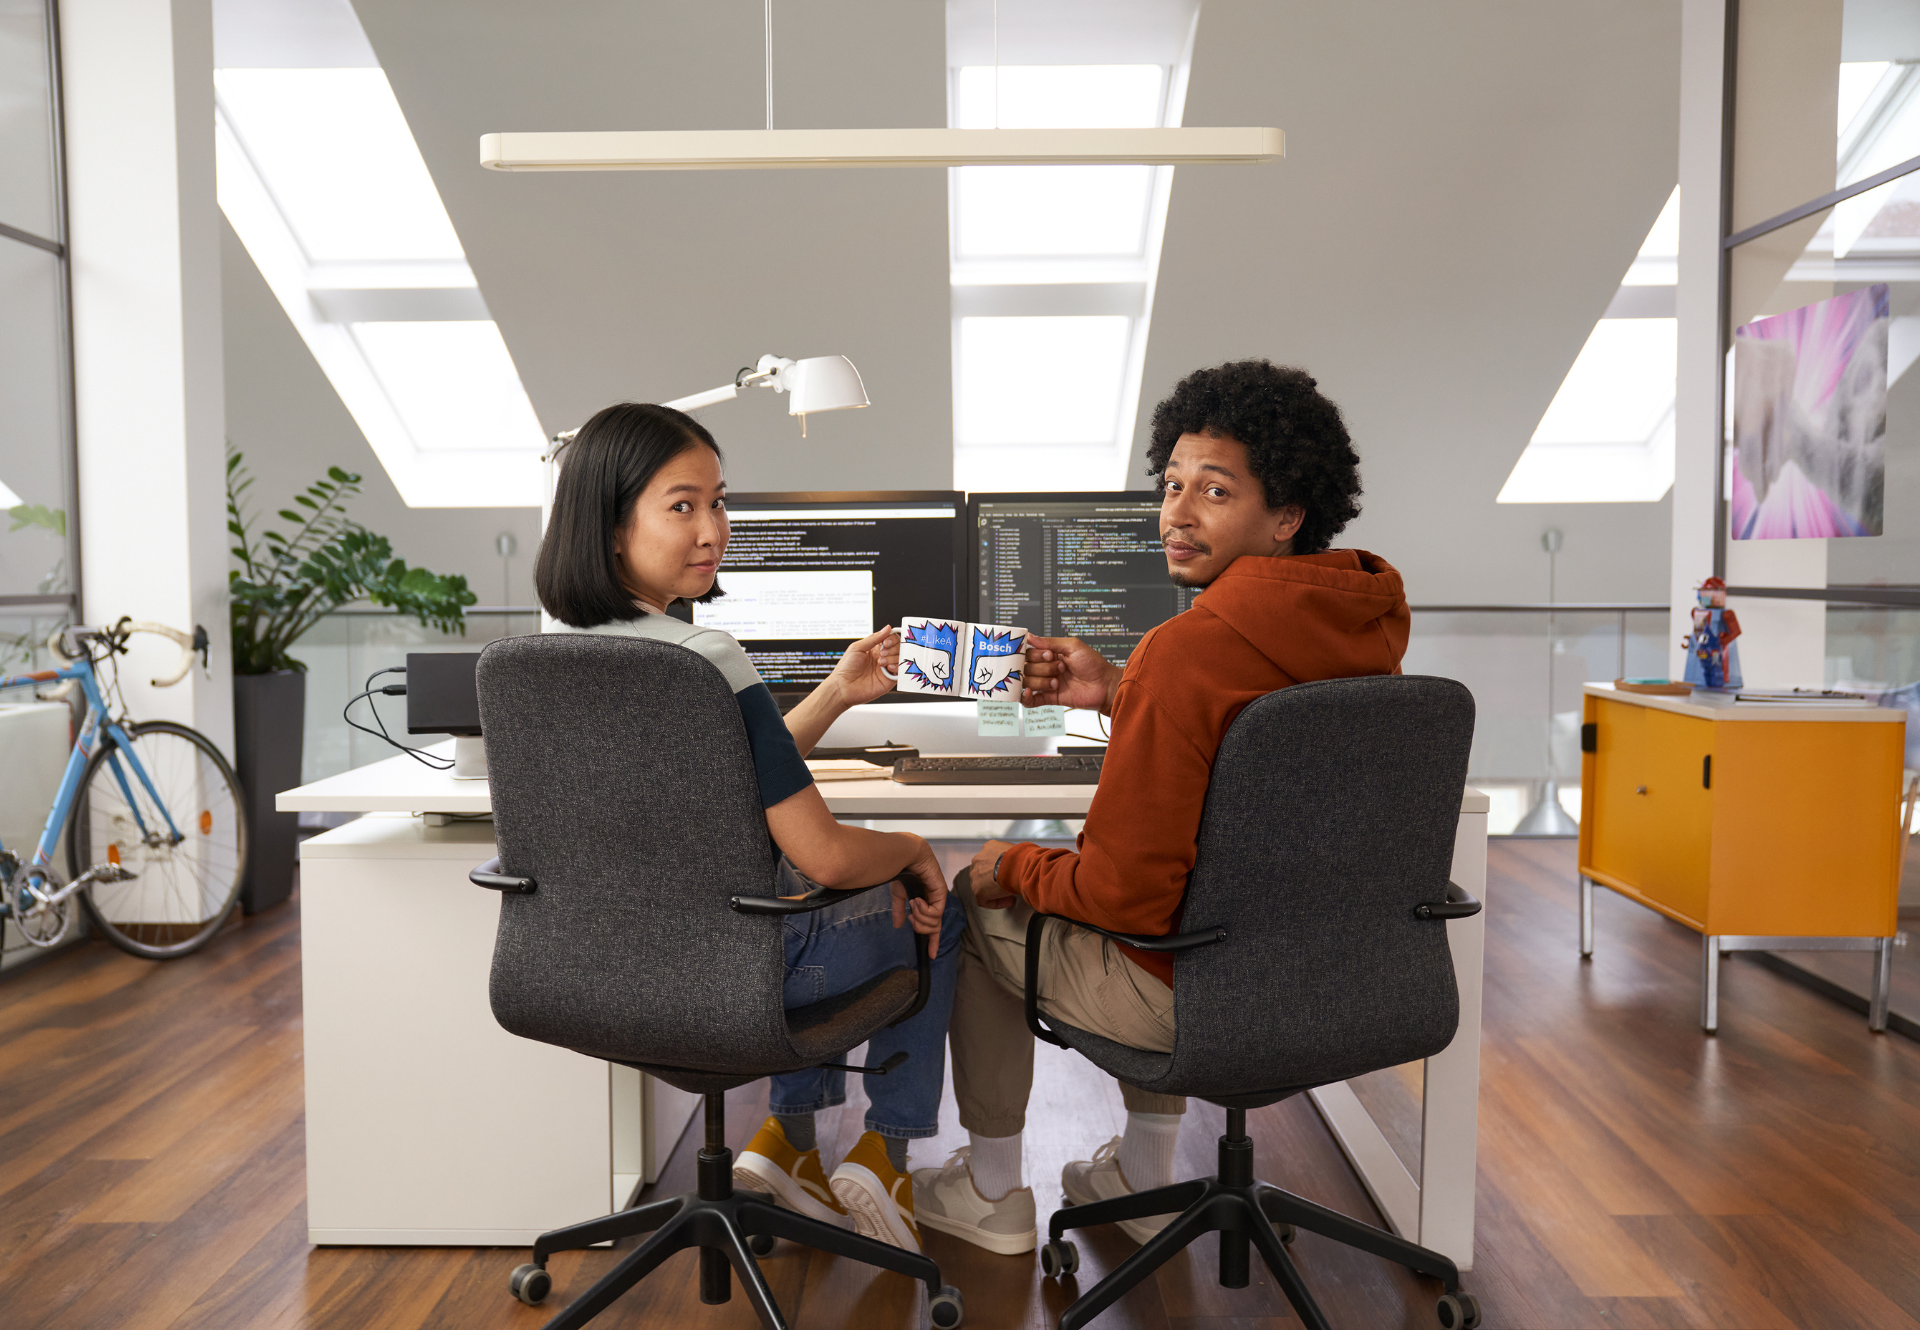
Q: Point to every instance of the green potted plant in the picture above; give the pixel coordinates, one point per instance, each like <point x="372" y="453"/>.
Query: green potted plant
<point x="284" y="585"/>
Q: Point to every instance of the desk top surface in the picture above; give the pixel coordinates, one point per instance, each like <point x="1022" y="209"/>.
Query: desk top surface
<point x="402" y="785"/>
<point x="1721" y="706"/>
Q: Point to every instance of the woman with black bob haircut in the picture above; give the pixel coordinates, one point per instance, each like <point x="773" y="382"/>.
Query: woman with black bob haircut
<point x="640" y="521"/>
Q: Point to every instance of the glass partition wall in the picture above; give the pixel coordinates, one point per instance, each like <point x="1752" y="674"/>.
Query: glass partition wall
<point x="1819" y="483"/>
<point x="39" y="568"/>
<point x="1820" y="468"/>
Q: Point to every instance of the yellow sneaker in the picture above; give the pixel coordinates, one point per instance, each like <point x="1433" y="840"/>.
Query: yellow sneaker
<point x="879" y="1199"/>
<point x="790" y="1177"/>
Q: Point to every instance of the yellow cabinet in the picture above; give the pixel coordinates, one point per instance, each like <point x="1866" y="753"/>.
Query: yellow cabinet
<point x="1760" y="827"/>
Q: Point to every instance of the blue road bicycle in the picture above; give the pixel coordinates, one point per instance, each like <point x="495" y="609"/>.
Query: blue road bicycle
<point x="155" y="828"/>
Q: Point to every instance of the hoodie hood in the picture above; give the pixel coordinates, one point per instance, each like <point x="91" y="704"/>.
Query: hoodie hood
<point x="1333" y="615"/>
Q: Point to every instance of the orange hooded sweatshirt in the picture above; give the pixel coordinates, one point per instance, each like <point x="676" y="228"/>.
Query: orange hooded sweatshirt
<point x="1264" y="623"/>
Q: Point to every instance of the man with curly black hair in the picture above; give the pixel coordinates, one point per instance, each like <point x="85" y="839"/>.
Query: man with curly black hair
<point x="1257" y="476"/>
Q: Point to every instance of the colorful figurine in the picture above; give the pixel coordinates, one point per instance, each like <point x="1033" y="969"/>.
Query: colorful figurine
<point x="1712" y="659"/>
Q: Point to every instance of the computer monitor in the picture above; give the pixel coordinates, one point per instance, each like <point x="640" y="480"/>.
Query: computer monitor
<point x="808" y="574"/>
<point x="1071" y="565"/>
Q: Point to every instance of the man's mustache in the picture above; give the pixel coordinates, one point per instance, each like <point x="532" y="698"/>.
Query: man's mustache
<point x="1201" y="545"/>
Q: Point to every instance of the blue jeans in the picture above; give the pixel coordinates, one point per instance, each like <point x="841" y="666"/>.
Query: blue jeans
<point x="832" y="950"/>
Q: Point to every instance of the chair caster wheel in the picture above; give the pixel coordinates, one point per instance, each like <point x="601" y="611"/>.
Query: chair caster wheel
<point x="1459" y="1311"/>
<point x="530" y="1284"/>
<point x="1059" y="1258"/>
<point x="760" y="1244"/>
<point x="947" y="1310"/>
<point x="1286" y="1233"/>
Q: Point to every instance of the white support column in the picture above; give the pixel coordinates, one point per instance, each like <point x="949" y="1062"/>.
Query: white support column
<point x="1703" y="25"/>
<point x="144" y="228"/>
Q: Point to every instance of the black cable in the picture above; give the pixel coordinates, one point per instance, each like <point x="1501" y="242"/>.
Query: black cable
<point x="424" y="758"/>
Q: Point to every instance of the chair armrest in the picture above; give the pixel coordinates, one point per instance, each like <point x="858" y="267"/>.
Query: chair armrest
<point x="488" y="875"/>
<point x="1145" y="942"/>
<point x="821" y="897"/>
<point x="817" y="899"/>
<point x="1458" y="905"/>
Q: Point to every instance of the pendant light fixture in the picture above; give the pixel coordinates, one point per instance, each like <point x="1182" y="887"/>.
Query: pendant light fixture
<point x="770" y="148"/>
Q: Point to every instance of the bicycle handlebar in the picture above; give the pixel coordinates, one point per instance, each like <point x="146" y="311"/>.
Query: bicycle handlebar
<point x="72" y="643"/>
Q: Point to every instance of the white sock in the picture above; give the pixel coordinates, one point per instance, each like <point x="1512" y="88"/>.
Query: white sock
<point x="995" y="1164"/>
<point x="1146" y="1151"/>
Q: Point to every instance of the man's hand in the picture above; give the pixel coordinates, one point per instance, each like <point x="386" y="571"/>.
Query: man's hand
<point x="925" y="913"/>
<point x="1066" y="672"/>
<point x="988" y="894"/>
<point x="864" y="669"/>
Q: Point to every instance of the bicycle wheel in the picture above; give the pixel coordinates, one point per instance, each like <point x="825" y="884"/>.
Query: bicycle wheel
<point x="185" y="851"/>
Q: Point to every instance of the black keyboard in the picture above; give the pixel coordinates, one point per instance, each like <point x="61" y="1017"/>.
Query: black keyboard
<point x="998" y="770"/>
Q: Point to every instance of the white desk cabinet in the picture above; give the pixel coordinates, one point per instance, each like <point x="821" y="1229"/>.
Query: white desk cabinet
<point x="428" y="1124"/>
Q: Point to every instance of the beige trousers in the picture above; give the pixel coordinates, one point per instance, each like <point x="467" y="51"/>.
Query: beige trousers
<point x="1085" y="980"/>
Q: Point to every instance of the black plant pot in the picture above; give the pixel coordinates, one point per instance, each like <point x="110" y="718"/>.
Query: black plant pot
<point x="269" y="723"/>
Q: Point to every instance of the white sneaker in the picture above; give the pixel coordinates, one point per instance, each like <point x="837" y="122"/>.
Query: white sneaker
<point x="1100" y="1179"/>
<point x="946" y="1199"/>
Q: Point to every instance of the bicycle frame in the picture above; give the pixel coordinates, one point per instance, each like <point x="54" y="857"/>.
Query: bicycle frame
<point x="120" y="761"/>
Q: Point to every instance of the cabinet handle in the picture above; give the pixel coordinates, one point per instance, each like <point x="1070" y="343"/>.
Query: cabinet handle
<point x="1706" y="772"/>
<point x="1639" y="789"/>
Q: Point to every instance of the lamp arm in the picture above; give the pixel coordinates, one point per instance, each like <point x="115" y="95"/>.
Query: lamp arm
<point x="726" y="392"/>
<point x="769" y="373"/>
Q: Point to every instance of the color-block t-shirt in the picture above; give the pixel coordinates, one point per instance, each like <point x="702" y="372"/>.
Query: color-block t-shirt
<point x="777" y="763"/>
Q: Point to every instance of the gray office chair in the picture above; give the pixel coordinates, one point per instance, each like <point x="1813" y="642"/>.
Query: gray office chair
<point x="1311" y="950"/>
<point x="638" y="924"/>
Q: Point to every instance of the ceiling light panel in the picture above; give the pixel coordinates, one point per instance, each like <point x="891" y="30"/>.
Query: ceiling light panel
<point x="737" y="149"/>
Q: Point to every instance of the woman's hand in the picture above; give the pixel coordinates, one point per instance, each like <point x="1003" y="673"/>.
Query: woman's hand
<point x="1066" y="672"/>
<point x="988" y="894"/>
<point x="867" y="668"/>
<point x="924" y="913"/>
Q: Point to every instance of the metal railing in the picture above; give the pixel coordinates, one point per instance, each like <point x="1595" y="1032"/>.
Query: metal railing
<point x="348" y="645"/>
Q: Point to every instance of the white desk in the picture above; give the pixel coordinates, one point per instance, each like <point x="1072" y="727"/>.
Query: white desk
<point x="415" y="1095"/>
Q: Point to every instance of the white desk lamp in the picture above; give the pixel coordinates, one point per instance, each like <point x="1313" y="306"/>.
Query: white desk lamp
<point x="818" y="383"/>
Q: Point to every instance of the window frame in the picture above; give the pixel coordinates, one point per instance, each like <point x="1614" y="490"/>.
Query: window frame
<point x="58" y="246"/>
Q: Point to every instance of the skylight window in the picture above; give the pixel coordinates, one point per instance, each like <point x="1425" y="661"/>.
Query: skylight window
<point x="1053" y="270"/>
<point x="322" y="181"/>
<point x="452" y="383"/>
<point x="1006" y="211"/>
<point x="1041" y="380"/>
<point x="1607" y="436"/>
<point x="334" y="150"/>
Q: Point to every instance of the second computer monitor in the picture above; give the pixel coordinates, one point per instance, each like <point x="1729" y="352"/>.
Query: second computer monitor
<point x="1072" y="565"/>
<point x="807" y="574"/>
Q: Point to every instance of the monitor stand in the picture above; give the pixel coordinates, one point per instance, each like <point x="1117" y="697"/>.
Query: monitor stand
<point x="469" y="757"/>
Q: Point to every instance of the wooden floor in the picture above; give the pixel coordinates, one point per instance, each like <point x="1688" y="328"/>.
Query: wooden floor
<point x="1632" y="1172"/>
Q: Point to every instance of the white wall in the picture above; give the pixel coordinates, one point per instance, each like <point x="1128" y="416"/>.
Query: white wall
<point x="147" y="336"/>
<point x="1464" y="186"/>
